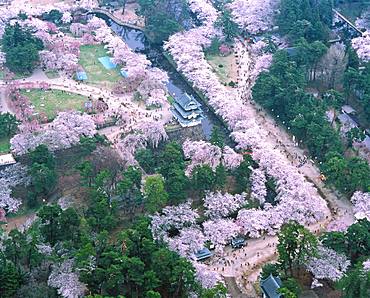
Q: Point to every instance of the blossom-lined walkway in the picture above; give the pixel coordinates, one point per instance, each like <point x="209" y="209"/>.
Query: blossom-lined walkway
<point x="245" y="264"/>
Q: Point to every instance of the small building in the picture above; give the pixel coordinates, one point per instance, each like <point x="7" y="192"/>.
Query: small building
<point x="187" y="110"/>
<point x="81" y="76"/>
<point x="270" y="285"/>
<point x="347" y="121"/>
<point x="203" y="254"/>
<point x="348" y="110"/>
<point x="107" y="62"/>
<point x="6" y="160"/>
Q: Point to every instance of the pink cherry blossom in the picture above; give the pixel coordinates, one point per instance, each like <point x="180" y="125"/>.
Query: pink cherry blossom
<point x="362" y="46"/>
<point x="231" y="159"/>
<point x="173" y="217"/>
<point x="200" y="153"/>
<point x="328" y="264"/>
<point x="66" y="280"/>
<point x="221" y="205"/>
<point x="190" y="241"/>
<point x="220" y="232"/>
<point x="255" y="16"/>
<point x="62" y="133"/>
<point x="361" y="204"/>
<point x="207" y="278"/>
<point x="258" y="185"/>
<point x="9" y="177"/>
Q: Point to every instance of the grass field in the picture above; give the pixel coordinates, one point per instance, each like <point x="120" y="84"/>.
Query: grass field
<point x="53" y="101"/>
<point x="170" y="99"/>
<point x="97" y="74"/>
<point x="4" y="145"/>
<point x="223" y="72"/>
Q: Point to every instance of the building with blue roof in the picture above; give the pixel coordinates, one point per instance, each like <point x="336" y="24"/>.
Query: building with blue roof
<point x="81" y="76"/>
<point x="203" y="254"/>
<point x="107" y="62"/>
<point x="270" y="285"/>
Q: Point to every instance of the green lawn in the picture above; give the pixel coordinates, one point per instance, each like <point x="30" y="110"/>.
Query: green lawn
<point x="97" y="74"/>
<point x="170" y="99"/>
<point x="224" y="71"/>
<point x="4" y="145"/>
<point x="53" y="101"/>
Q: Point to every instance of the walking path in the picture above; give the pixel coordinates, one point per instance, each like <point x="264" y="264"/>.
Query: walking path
<point x="4" y="107"/>
<point x="245" y="264"/>
<point x="116" y="103"/>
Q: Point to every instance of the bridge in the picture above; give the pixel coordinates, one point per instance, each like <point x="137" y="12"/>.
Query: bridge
<point x="115" y="19"/>
<point x="348" y="22"/>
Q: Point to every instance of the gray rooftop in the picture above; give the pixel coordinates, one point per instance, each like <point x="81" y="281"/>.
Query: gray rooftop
<point x="270" y="285"/>
<point x="188" y="102"/>
<point x="187" y="114"/>
<point x="348" y="109"/>
<point x="346" y="119"/>
<point x="184" y="122"/>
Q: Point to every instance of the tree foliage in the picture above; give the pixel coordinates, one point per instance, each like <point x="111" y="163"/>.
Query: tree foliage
<point x="21" y="49"/>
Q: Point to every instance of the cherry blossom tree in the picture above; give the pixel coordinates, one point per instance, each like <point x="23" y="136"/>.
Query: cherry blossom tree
<point x="67" y="17"/>
<point x="66" y="280"/>
<point x="366" y="265"/>
<point x="231" y="159"/>
<point x="339" y="225"/>
<point x="253" y="222"/>
<point x="2" y="58"/>
<point x="258" y="182"/>
<point x="200" y="153"/>
<point x="207" y="278"/>
<point x="222" y="205"/>
<point x="173" y="217"/>
<point x="220" y="232"/>
<point x="190" y="241"/>
<point x="361" y="204"/>
<point x="64" y="132"/>
<point x="88" y="4"/>
<point x="152" y="131"/>
<point x="328" y="264"/>
<point x="255" y="16"/>
<point x="362" y="46"/>
<point x="129" y="145"/>
<point x="9" y="177"/>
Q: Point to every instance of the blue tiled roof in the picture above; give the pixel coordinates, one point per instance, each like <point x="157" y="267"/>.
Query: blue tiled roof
<point x="81" y="75"/>
<point x="203" y="253"/>
<point x="270" y="285"/>
<point x="187" y="102"/>
<point x="107" y="62"/>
